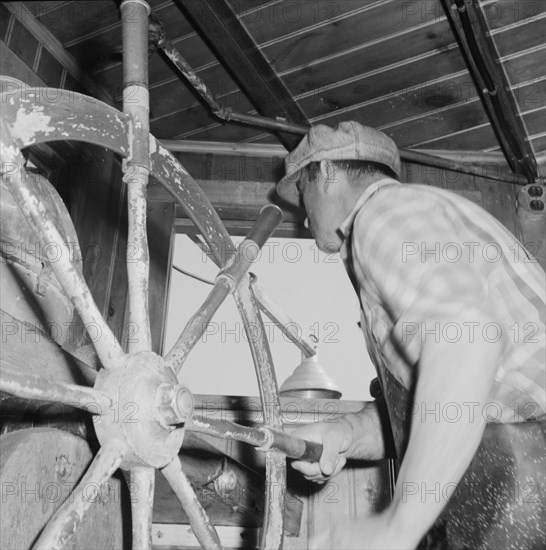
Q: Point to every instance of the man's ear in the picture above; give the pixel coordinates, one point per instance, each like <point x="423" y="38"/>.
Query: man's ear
<point x="329" y="173"/>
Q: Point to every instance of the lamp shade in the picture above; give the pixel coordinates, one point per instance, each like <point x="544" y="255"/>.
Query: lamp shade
<point x="310" y="380"/>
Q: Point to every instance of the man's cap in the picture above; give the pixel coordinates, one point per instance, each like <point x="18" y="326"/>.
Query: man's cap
<point x="347" y="141"/>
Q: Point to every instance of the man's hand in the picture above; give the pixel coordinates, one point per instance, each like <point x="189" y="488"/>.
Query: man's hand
<point x="356" y="435"/>
<point x="336" y="438"/>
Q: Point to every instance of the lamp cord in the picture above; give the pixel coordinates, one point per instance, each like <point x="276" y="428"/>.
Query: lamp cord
<point x="192" y="275"/>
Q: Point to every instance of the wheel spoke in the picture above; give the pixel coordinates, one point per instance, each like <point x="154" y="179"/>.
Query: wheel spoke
<point x="265" y="439"/>
<point x="28" y="386"/>
<point x="275" y="493"/>
<point x="197" y="324"/>
<point x="21" y="186"/>
<point x="202" y="527"/>
<point x="65" y="521"/>
<point x="142" y="500"/>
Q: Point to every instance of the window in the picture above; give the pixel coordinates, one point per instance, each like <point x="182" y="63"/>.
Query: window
<point x="310" y="286"/>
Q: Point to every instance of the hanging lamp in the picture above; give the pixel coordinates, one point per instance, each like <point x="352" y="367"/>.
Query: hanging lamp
<point x="310" y="380"/>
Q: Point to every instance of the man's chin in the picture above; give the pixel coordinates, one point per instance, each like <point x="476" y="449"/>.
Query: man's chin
<point x="330" y="247"/>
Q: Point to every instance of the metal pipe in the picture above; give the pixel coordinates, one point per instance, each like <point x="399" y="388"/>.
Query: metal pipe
<point x="490" y="86"/>
<point x="165" y="45"/>
<point x="224" y="113"/>
<point x="226" y="282"/>
<point x="502" y="110"/>
<point x="410" y="155"/>
<point x="225" y="148"/>
<point x="134" y="21"/>
<point x="136" y="169"/>
<point x="228" y="114"/>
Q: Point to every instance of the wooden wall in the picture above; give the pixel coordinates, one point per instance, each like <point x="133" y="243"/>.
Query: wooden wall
<point x="496" y="197"/>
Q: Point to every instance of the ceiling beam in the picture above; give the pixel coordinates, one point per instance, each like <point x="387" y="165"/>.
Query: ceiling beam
<point x="241" y="228"/>
<point x="238" y="52"/>
<point x="482" y="60"/>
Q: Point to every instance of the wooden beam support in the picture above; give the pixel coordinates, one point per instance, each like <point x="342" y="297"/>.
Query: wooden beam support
<point x="240" y="228"/>
<point x="470" y="28"/>
<point x="238" y="52"/>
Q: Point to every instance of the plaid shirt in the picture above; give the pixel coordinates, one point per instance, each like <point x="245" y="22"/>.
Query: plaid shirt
<point x="418" y="256"/>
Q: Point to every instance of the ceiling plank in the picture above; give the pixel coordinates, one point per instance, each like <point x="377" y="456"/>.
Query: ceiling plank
<point x="254" y="17"/>
<point x="239" y="53"/>
<point x="339" y="82"/>
<point x="49" y="42"/>
<point x="470" y="28"/>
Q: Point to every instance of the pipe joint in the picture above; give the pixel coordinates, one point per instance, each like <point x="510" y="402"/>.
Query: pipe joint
<point x="268" y="439"/>
<point x="133" y="171"/>
<point x="460" y="5"/>
<point x="156" y="32"/>
<point x="224" y="113"/>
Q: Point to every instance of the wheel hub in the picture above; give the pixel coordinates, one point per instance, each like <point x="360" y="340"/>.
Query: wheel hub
<point x="148" y="412"/>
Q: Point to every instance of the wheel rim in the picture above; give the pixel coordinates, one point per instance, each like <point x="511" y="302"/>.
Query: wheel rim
<point x="120" y="451"/>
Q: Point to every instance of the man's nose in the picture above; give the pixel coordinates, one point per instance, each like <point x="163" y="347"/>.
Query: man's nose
<point x="306" y="223"/>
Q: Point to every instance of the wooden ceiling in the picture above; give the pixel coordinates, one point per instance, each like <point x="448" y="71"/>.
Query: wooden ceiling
<point x="390" y="64"/>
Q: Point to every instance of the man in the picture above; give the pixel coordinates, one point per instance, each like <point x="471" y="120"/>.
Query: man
<point x="444" y="302"/>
